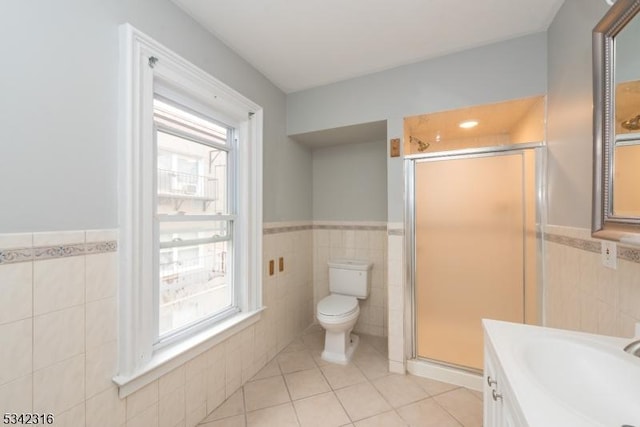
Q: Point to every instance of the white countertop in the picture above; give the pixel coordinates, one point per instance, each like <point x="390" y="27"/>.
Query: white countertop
<point x="519" y="346"/>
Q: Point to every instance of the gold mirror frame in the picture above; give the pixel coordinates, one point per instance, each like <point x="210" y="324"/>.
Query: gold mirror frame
<point x="604" y="223"/>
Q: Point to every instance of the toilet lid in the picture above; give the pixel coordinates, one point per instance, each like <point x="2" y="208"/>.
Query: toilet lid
<point x="337" y="305"/>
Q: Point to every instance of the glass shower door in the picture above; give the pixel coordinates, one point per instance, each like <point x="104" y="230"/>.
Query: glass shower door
<point x="469" y="252"/>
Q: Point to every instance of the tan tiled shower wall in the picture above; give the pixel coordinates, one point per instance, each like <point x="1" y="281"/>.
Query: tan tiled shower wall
<point x="580" y="293"/>
<point x="58" y="332"/>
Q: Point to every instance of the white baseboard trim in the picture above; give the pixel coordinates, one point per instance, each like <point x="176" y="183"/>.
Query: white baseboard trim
<point x="396" y="367"/>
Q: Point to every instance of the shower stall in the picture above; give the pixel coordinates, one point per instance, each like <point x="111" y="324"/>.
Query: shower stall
<point x="472" y="227"/>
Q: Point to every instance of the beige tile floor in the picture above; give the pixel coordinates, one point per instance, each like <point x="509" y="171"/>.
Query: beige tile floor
<point x="298" y="388"/>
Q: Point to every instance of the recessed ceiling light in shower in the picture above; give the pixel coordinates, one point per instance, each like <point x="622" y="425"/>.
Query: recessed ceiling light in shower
<point x="468" y="124"/>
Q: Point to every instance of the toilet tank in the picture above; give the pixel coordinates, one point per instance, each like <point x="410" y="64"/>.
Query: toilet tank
<point x="350" y="277"/>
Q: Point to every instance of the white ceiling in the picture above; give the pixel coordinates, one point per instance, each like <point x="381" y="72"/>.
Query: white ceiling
<point x="299" y="44"/>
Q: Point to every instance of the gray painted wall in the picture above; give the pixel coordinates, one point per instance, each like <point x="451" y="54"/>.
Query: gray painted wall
<point x="510" y="69"/>
<point x="507" y="70"/>
<point x="350" y="182"/>
<point x="58" y="161"/>
<point x="59" y="111"/>
<point x="569" y="114"/>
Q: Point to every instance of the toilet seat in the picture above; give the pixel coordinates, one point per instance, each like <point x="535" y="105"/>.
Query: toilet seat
<point x="337" y="306"/>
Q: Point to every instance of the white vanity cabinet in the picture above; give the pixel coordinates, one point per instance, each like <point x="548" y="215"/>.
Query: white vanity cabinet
<point x="492" y="408"/>
<point x="500" y="408"/>
<point x="541" y="377"/>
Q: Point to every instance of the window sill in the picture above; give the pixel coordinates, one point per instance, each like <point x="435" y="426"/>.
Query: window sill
<point x="171" y="357"/>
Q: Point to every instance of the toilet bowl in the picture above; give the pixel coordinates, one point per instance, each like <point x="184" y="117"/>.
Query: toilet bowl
<point x="338" y="312"/>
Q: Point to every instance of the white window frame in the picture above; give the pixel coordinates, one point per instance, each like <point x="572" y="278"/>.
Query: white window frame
<point x="143" y="60"/>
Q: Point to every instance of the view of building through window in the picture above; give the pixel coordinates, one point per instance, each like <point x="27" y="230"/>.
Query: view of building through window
<point x="192" y="202"/>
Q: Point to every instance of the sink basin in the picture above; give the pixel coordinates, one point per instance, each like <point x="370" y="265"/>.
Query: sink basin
<point x="598" y="381"/>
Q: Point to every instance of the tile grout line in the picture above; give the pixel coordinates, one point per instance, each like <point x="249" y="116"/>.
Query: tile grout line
<point x="244" y="406"/>
<point x="333" y="391"/>
<point x="383" y="398"/>
<point x="367" y="380"/>
<point x="448" y="412"/>
<point x="84" y="329"/>
<point x="33" y="331"/>
<point x="381" y="395"/>
<point x="286" y="386"/>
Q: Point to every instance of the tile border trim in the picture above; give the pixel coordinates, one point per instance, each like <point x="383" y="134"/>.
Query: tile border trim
<point x="12" y="255"/>
<point x="629" y="254"/>
<point x="350" y="227"/>
<point x="277" y="228"/>
<point x="26" y="254"/>
<point x="626" y="253"/>
<point x="285" y="229"/>
<point x="38" y="253"/>
<point x="574" y="242"/>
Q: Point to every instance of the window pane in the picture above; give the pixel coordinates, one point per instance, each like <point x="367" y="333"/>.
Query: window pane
<point x="194" y="284"/>
<point x="191" y="180"/>
<point x="192" y="177"/>
<point x="183" y="120"/>
<point x="184" y="231"/>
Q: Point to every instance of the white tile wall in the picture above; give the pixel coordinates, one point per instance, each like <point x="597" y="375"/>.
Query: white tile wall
<point x="60" y="386"/>
<point x="196" y="389"/>
<point x="363" y="244"/>
<point x="102" y="321"/>
<point x="16" y="290"/>
<point x="17" y="396"/>
<point x="101" y="363"/>
<point x="289" y="292"/>
<point x="57" y="336"/>
<point x="16" y="339"/>
<point x="142" y="399"/>
<point x="58" y="284"/>
<point x="105" y="409"/>
<point x="59" y="238"/>
<point x="396" y="304"/>
<point x="16" y="240"/>
<point x="58" y="329"/>
<point x="215" y="378"/>
<point x="581" y="294"/>
<point x="101" y="278"/>
<point x="74" y="417"/>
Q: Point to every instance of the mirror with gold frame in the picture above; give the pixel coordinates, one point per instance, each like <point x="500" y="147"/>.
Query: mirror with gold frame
<point x="616" y="124"/>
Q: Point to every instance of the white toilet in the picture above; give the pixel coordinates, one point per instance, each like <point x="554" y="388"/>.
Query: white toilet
<point x="349" y="280"/>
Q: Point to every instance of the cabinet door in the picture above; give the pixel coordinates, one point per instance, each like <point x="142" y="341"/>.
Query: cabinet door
<point x="492" y="408"/>
<point x="508" y="417"/>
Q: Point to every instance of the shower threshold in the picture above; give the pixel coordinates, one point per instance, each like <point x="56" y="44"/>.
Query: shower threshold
<point x="452" y="374"/>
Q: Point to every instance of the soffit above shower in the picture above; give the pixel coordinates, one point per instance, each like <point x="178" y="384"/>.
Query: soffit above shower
<point x="354" y="134"/>
<point x="309" y="43"/>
